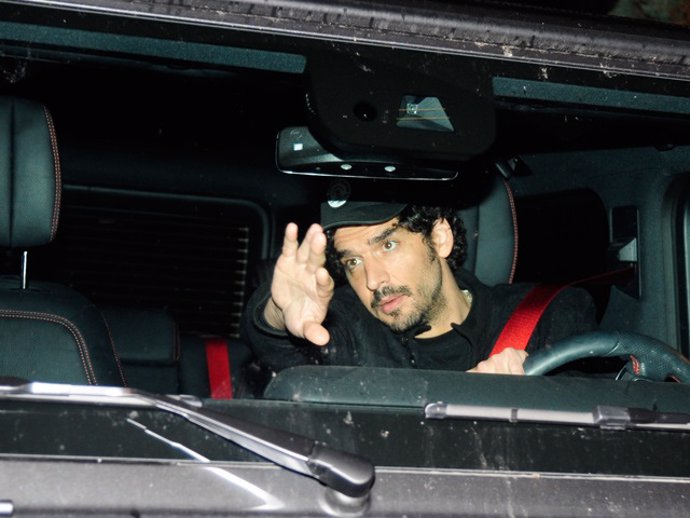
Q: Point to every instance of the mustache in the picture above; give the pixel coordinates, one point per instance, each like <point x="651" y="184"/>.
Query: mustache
<point x="388" y="291"/>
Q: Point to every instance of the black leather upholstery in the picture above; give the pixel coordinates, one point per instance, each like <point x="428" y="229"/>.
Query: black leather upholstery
<point x="29" y="174"/>
<point x="148" y="344"/>
<point x="492" y="236"/>
<point x="48" y="332"/>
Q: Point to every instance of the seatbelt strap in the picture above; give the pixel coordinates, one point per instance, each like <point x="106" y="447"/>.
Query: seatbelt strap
<point x="522" y="323"/>
<point x="218" y="364"/>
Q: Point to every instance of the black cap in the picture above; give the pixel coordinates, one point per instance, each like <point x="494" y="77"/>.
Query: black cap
<point x="358" y="213"/>
<point x="340" y="211"/>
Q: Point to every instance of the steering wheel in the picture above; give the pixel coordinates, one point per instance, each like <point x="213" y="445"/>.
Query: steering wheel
<point x="650" y="359"/>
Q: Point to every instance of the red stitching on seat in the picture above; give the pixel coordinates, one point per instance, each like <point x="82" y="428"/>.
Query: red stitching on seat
<point x="56" y="319"/>
<point x="513" y="214"/>
<point x="635" y="364"/>
<point x="57" y="171"/>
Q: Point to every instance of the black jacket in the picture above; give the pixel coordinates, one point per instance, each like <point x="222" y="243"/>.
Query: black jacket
<point x="358" y="338"/>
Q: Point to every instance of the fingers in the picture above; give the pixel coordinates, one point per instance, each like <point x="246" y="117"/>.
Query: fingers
<point x="317" y="251"/>
<point x="324" y="283"/>
<point x="290" y="240"/>
<point x="302" y="288"/>
<point x="316" y="333"/>
<point x="509" y="361"/>
<point x="311" y="252"/>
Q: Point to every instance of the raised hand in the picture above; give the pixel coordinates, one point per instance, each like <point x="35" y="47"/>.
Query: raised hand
<point x="302" y="288"/>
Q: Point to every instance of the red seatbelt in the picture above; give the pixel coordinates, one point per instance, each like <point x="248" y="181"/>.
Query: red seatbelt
<point x="218" y="364"/>
<point x="521" y="324"/>
<point x="524" y="320"/>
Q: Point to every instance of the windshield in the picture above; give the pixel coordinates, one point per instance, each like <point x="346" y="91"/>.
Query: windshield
<point x="446" y="236"/>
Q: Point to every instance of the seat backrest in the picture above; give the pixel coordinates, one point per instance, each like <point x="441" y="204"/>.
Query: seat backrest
<point x="492" y="233"/>
<point x="148" y="344"/>
<point x="48" y="332"/>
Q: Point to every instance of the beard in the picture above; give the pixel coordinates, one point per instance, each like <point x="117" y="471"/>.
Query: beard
<point x="429" y="301"/>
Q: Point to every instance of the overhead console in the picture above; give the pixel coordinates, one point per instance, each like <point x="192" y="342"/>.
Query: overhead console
<point x="367" y="117"/>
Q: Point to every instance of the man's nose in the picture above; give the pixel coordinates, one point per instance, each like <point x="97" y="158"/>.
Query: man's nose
<point x="376" y="274"/>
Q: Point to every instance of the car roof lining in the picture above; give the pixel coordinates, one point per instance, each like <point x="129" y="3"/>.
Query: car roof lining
<point x="135" y="48"/>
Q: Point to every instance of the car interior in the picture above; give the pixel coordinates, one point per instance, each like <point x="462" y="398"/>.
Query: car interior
<point x="152" y="154"/>
<point x="145" y="192"/>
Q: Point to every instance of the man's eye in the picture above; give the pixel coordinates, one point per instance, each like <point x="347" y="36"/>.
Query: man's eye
<point x="390" y="245"/>
<point x="351" y="264"/>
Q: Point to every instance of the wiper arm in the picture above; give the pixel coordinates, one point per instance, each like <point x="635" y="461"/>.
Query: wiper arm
<point x="343" y="472"/>
<point x="606" y="417"/>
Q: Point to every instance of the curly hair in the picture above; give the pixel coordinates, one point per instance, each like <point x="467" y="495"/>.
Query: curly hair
<point x="415" y="218"/>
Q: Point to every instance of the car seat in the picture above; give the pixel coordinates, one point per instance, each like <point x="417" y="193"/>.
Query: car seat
<point x="147" y="341"/>
<point x="492" y="232"/>
<point x="48" y="332"/>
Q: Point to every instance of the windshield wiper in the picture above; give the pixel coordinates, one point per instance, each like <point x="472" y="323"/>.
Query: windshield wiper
<point x="606" y="417"/>
<point x="345" y="473"/>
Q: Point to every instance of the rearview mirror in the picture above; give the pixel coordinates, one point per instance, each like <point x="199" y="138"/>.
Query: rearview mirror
<point x="298" y="152"/>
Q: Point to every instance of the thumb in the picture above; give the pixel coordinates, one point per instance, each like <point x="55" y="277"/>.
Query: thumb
<point x="316" y="333"/>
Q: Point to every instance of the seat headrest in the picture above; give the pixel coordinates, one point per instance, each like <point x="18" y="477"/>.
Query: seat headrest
<point x="30" y="184"/>
<point x="492" y="236"/>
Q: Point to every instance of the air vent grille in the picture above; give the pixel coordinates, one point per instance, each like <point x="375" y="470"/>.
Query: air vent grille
<point x="185" y="255"/>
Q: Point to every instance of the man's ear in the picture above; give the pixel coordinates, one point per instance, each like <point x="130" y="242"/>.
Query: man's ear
<point x="442" y="238"/>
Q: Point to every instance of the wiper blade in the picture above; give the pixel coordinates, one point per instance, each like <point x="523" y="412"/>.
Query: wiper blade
<point x="602" y="416"/>
<point x="343" y="472"/>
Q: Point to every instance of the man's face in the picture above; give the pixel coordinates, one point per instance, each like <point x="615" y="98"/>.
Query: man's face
<point x="395" y="273"/>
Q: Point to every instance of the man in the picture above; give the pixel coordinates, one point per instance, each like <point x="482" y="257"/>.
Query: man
<point x="406" y="303"/>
